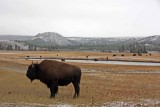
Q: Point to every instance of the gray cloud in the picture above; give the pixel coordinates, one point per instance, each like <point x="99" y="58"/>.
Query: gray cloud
<point x="80" y="17"/>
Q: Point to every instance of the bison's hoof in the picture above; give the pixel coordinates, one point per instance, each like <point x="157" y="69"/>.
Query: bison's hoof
<point x="52" y="96"/>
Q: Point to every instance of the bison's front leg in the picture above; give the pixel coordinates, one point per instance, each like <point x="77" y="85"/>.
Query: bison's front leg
<point x="54" y="90"/>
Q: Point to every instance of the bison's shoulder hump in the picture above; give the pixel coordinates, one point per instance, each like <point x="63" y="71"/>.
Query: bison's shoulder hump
<point x="50" y="62"/>
<point x="57" y="66"/>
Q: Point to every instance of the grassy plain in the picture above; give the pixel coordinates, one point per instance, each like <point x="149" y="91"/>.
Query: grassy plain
<point x="101" y="84"/>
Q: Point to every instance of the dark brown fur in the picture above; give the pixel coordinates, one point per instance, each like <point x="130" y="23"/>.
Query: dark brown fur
<point x="54" y="74"/>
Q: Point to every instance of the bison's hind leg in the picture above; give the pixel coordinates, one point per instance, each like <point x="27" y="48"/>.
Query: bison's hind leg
<point x="77" y="89"/>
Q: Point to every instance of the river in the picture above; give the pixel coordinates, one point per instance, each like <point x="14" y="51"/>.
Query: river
<point x="109" y="62"/>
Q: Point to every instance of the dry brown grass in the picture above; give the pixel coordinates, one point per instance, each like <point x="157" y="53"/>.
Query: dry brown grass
<point x="96" y="88"/>
<point x="100" y="83"/>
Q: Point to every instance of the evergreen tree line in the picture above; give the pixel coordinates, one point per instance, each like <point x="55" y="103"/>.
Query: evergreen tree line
<point x="17" y="48"/>
<point x="134" y="48"/>
<point x="10" y="47"/>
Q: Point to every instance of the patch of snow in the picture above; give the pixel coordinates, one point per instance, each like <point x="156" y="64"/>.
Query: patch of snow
<point x="142" y="103"/>
<point x="33" y="105"/>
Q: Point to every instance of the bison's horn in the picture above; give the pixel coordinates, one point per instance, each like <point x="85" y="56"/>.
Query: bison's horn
<point x="32" y="65"/>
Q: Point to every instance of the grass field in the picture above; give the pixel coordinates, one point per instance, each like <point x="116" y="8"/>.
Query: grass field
<point x="101" y="84"/>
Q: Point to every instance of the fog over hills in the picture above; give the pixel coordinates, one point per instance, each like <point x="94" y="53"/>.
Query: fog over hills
<point x="15" y="37"/>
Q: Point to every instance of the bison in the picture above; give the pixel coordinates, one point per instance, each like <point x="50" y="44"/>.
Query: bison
<point x="54" y="74"/>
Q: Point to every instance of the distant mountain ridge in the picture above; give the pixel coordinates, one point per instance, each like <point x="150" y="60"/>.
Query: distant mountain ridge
<point x="53" y="39"/>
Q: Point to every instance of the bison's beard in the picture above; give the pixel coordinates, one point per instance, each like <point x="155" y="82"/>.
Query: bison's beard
<point x="31" y="80"/>
<point x="30" y="77"/>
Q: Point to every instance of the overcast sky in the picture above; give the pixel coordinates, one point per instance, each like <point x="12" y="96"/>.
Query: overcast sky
<point x="81" y="18"/>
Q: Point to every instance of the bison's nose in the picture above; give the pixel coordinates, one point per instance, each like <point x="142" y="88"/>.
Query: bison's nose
<point x="27" y="74"/>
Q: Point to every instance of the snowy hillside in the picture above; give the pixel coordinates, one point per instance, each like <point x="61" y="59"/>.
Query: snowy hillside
<point x="52" y="37"/>
<point x="151" y="40"/>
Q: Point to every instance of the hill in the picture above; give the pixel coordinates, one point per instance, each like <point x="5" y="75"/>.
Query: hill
<point x="50" y="39"/>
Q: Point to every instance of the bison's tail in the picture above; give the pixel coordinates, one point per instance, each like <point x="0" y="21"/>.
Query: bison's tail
<point x="79" y="77"/>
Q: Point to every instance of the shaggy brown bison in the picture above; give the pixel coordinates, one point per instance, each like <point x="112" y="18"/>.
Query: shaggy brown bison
<point x="54" y="74"/>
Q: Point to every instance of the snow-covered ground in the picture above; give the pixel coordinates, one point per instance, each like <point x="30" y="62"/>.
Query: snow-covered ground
<point x="142" y="103"/>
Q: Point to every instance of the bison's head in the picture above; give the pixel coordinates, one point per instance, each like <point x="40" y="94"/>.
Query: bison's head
<point x="32" y="72"/>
